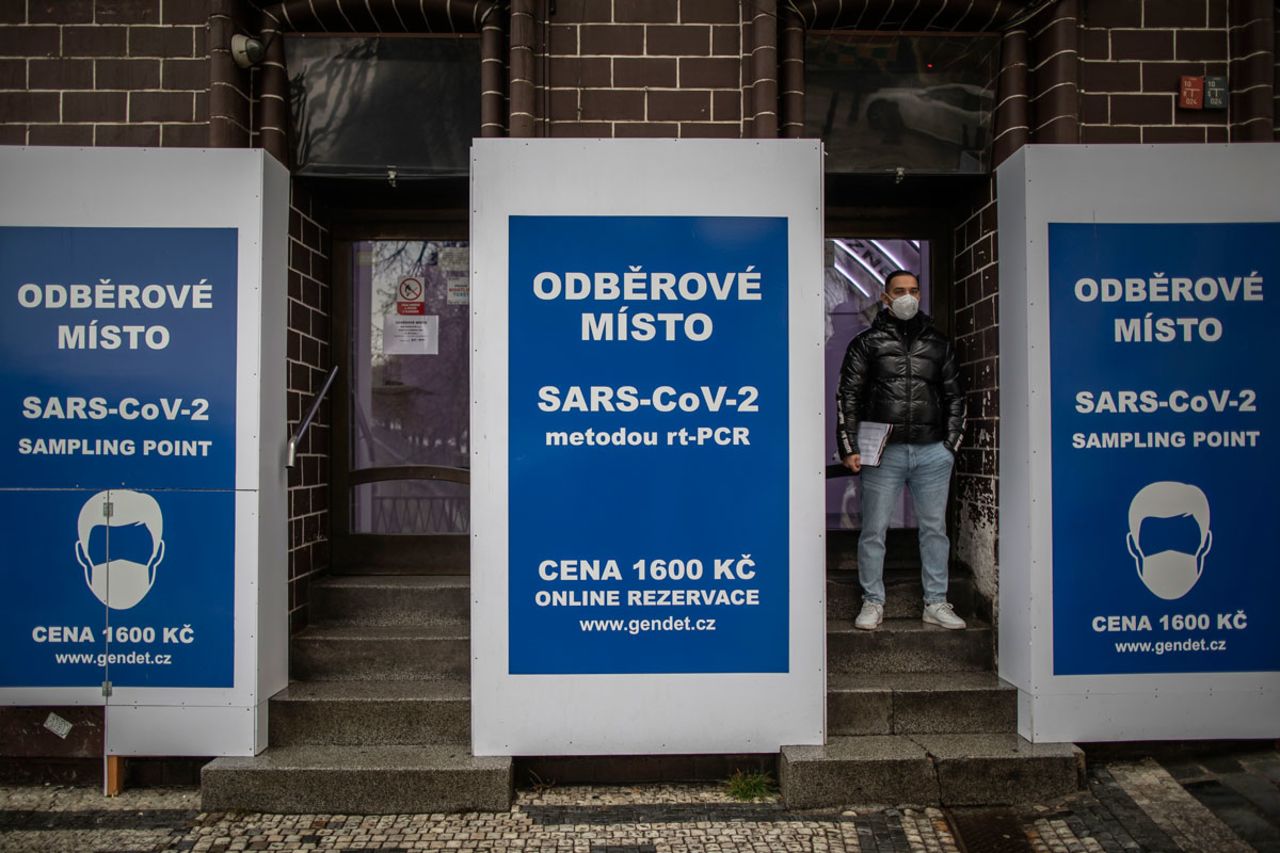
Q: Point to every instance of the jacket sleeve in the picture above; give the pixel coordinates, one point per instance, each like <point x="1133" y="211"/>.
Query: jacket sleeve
<point x="849" y="396"/>
<point x="953" y="399"/>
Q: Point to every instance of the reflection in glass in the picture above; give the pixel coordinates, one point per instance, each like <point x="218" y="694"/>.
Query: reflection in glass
<point x="884" y="101"/>
<point x="855" y="270"/>
<point x="359" y="105"/>
<point x="410" y="408"/>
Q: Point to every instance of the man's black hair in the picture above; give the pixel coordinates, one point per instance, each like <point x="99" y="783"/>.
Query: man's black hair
<point x="891" y="276"/>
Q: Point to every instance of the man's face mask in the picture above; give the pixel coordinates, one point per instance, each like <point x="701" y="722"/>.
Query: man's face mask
<point x="1174" y="556"/>
<point x="905" y="306"/>
<point x="121" y="582"/>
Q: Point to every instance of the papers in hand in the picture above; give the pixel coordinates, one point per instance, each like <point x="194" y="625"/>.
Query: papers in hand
<point x="872" y="437"/>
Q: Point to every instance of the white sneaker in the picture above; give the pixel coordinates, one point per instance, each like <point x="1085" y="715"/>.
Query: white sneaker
<point x="870" y="616"/>
<point x="942" y="614"/>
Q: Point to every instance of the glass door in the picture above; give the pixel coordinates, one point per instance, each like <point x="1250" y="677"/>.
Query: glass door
<point x="403" y="444"/>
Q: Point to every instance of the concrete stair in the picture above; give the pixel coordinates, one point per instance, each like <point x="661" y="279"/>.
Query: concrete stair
<point x="358" y="780"/>
<point x="915" y="713"/>
<point x="956" y="769"/>
<point x="393" y="599"/>
<point x="909" y="703"/>
<point x="372" y="713"/>
<point x="377" y="716"/>
<point x="381" y="652"/>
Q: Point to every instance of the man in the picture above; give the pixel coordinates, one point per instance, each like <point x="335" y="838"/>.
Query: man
<point x="902" y="371"/>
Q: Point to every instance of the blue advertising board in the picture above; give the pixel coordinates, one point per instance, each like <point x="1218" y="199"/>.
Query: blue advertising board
<point x="1163" y="476"/>
<point x="118" y="432"/>
<point x="648" y="445"/>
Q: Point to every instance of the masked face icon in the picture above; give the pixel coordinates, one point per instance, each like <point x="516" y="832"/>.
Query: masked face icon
<point x="120" y="582"/>
<point x="1170" y="573"/>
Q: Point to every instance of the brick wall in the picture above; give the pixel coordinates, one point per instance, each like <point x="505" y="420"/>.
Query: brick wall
<point x="110" y="72"/>
<point x="308" y="348"/>
<point x="627" y="68"/>
<point x="974" y="300"/>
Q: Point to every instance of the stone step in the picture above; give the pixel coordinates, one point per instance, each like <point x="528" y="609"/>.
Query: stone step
<point x="908" y="645"/>
<point x="903" y="595"/>
<point x="391" y="599"/>
<point x="380" y="652"/>
<point x="370" y="713"/>
<point x="431" y="554"/>
<point x="920" y="702"/>
<point x="958" y="769"/>
<point x="358" y="780"/>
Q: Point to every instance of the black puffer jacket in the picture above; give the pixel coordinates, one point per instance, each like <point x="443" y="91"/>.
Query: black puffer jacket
<point x="901" y="373"/>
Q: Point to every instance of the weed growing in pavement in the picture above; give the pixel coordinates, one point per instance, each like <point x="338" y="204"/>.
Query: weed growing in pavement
<point x="750" y="786"/>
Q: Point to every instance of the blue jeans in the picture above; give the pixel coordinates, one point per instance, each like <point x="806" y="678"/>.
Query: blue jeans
<point x="926" y="470"/>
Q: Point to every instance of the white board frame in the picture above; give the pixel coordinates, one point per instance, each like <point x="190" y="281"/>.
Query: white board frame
<point x="1040" y="184"/>
<point x="645" y="714"/>
<point x="247" y="190"/>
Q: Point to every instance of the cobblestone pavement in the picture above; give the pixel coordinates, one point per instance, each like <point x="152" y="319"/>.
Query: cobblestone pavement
<point x="1226" y="803"/>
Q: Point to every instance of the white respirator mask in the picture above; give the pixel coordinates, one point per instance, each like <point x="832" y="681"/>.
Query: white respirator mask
<point x="905" y="307"/>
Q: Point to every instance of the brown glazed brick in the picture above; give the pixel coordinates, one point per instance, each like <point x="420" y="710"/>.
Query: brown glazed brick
<point x="564" y="40"/>
<point x="583" y="11"/>
<point x="1095" y="44"/>
<point x="1097" y="134"/>
<point x="94" y="106"/>
<point x="717" y="73"/>
<point x="644" y="72"/>
<point x="611" y="105"/>
<point x="13" y="74"/>
<point x="590" y="72"/>
<point x="1113" y="13"/>
<point x="1203" y="45"/>
<point x="1095" y="109"/>
<point x="60" y="74"/>
<point x="1142" y="109"/>
<point x="127" y="135"/>
<point x="1173" y="134"/>
<point x="161" y="41"/>
<point x="25" y="107"/>
<point x="161" y="106"/>
<point x="611" y="40"/>
<point x="646" y="129"/>
<point x="1110" y="76"/>
<point x="682" y="40"/>
<point x="726" y="40"/>
<point x="128" y="74"/>
<point x="709" y="11"/>
<point x="184" y="135"/>
<point x="13" y="134"/>
<point x="94" y="41"/>
<point x="30" y="41"/>
<point x="61" y="134"/>
<point x="1176" y="13"/>
<point x="202" y="106"/>
<point x="185" y="74"/>
<point x="184" y="11"/>
<point x="726" y="106"/>
<point x="709" y="130"/>
<point x="56" y="12"/>
<point x="582" y="129"/>
<point x="13" y="12"/>
<point x="679" y="106"/>
<point x="564" y="104"/>
<point x="646" y="11"/>
<point x="1216" y="134"/>
<point x="127" y="11"/>
<point x="1141" y="44"/>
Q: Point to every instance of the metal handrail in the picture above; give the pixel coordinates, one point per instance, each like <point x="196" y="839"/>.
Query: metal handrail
<point x="291" y="456"/>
